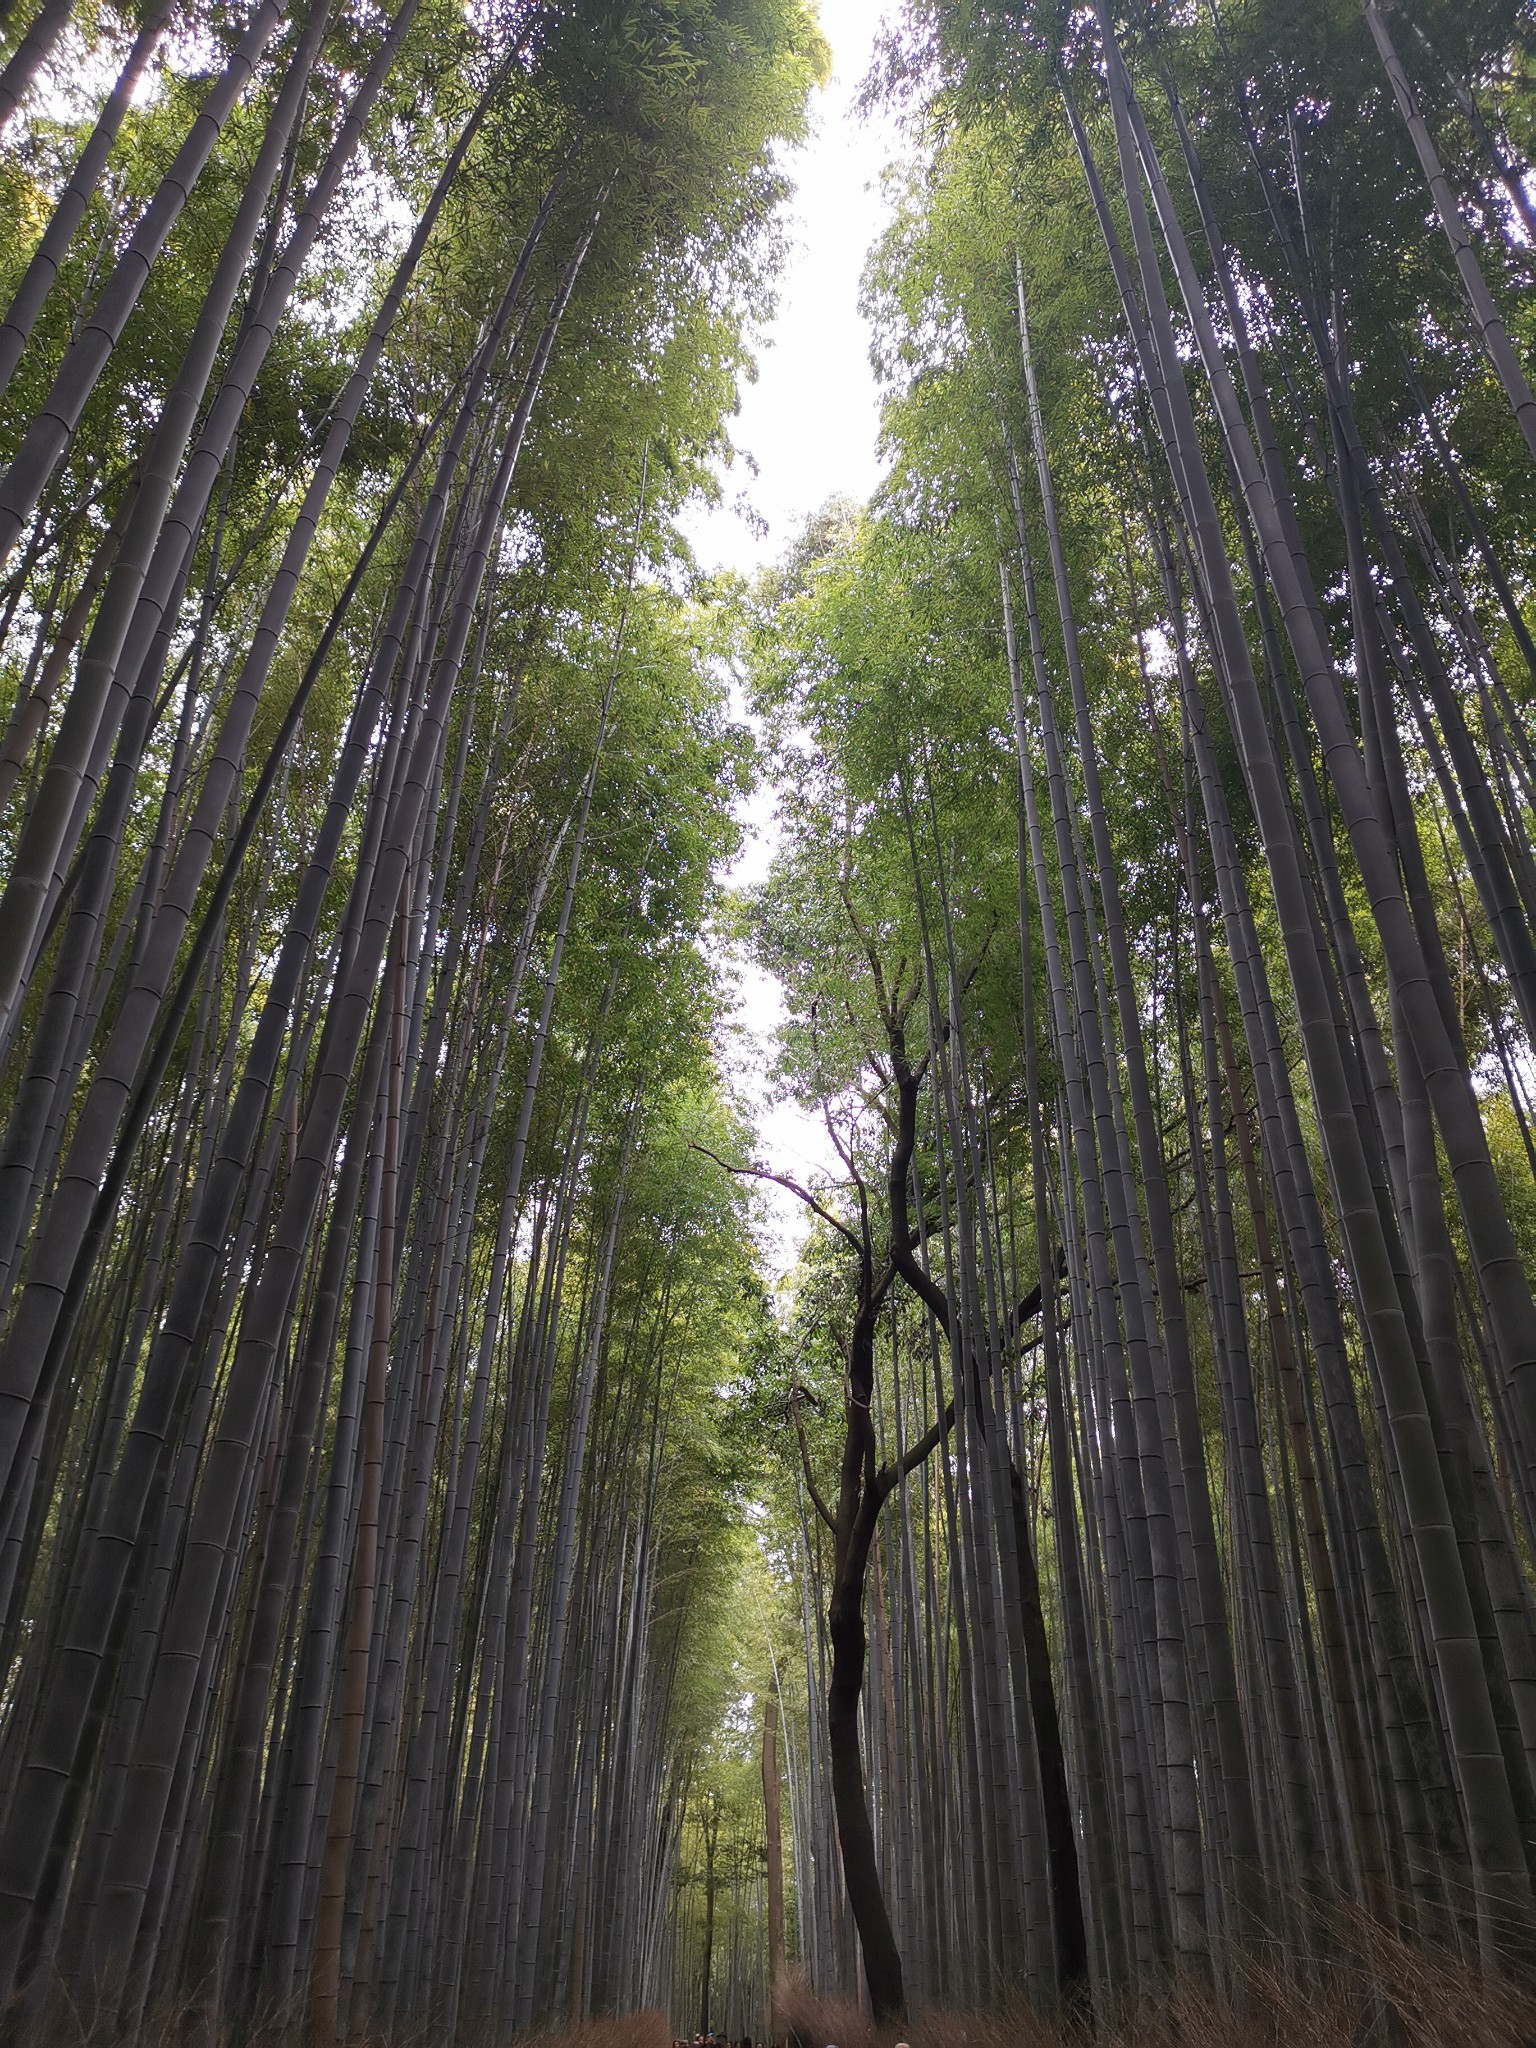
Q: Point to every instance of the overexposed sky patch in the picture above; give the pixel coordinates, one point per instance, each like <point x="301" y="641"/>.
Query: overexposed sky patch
<point x="811" y="420"/>
<point x="809" y="426"/>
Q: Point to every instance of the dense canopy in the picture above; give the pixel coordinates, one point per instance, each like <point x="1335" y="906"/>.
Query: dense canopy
<point x="451" y="1582"/>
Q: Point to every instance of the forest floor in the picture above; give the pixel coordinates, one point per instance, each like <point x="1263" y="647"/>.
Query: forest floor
<point x="1404" y="1998"/>
<point x="1398" y="1996"/>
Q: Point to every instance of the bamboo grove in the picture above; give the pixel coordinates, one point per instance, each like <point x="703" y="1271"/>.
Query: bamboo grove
<point x="445" y="1592"/>
<point x="366" y="783"/>
<point x="1155" y="910"/>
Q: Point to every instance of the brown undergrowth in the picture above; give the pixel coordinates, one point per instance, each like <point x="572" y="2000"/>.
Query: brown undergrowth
<point x="1374" y="1990"/>
<point x="648" y="2029"/>
<point x="624" y="2030"/>
<point x="65" y="2027"/>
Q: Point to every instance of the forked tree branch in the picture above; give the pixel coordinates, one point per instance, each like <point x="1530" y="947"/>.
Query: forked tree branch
<point x="826" y="1514"/>
<point x="897" y="1469"/>
<point x="781" y="1180"/>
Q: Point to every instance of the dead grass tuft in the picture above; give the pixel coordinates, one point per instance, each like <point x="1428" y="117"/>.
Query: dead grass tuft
<point x="625" y="2030"/>
<point x="57" y="2023"/>
<point x="1375" y="1990"/>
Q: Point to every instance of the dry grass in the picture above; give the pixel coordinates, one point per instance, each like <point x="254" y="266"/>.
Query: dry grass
<point x="648" y="2029"/>
<point x="1375" y="1991"/>
<point x="62" y="2025"/>
<point x="629" y="2030"/>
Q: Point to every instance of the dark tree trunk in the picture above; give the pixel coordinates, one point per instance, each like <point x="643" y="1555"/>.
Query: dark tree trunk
<point x="855" y="1831"/>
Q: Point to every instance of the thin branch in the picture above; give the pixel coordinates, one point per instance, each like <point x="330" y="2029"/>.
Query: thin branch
<point x="888" y="1476"/>
<point x="796" y="1397"/>
<point x="781" y="1180"/>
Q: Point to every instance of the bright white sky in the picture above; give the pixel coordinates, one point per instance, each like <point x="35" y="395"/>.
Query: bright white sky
<point x="810" y="424"/>
<point x="810" y="420"/>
